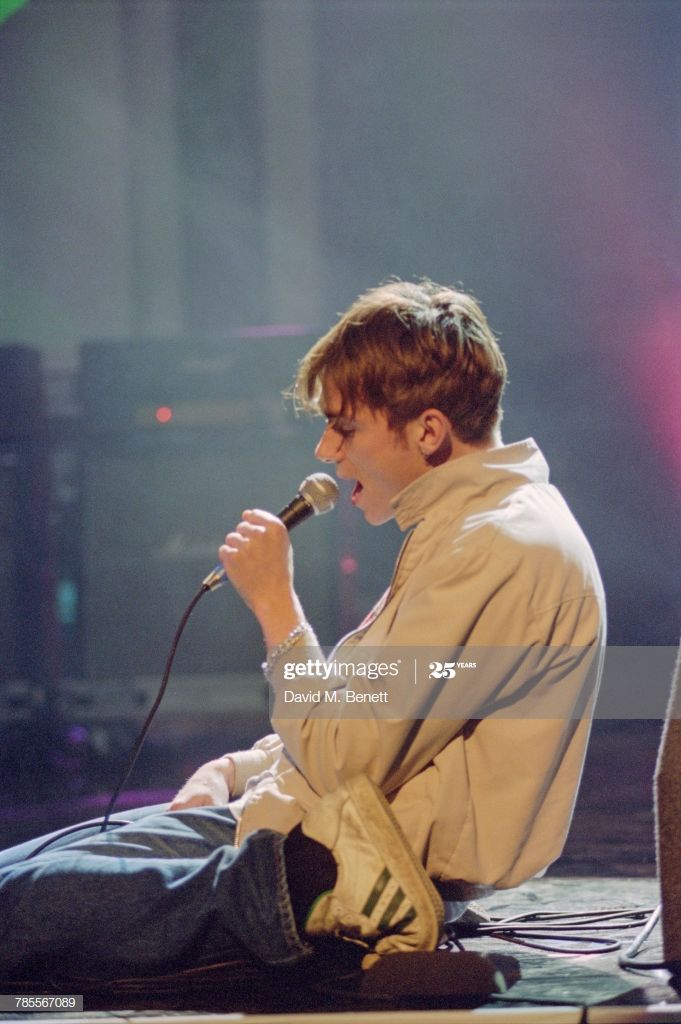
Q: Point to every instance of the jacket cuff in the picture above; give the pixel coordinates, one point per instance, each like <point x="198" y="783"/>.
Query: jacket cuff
<point x="246" y="764"/>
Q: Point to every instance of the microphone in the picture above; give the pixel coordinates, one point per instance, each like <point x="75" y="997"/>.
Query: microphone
<point x="317" y="494"/>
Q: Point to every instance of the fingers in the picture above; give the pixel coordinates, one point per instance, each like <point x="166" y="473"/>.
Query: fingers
<point x="256" y="557"/>
<point x="260" y="517"/>
<point x="254" y="523"/>
<point x="256" y="519"/>
<point x="242" y="534"/>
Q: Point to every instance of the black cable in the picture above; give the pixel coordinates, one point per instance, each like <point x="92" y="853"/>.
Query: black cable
<point x="68" y="831"/>
<point x="106" y="820"/>
<point x="533" y="928"/>
<point x="628" y="960"/>
<point x="154" y="708"/>
<point x="584" y="916"/>
<point x="594" y="945"/>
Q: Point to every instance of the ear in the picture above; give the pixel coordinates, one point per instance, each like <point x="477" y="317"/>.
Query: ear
<point x="433" y="436"/>
<point x="432" y="429"/>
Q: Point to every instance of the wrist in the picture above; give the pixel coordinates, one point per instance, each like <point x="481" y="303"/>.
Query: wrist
<point x="294" y="637"/>
<point x="225" y="764"/>
<point x="278" y="618"/>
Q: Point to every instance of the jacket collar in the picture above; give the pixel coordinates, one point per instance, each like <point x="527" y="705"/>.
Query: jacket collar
<point x="462" y="479"/>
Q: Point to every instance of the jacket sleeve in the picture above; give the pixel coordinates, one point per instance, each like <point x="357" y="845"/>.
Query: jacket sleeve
<point x="248" y="763"/>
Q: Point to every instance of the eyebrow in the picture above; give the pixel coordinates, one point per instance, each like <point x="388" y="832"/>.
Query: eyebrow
<point x="332" y="417"/>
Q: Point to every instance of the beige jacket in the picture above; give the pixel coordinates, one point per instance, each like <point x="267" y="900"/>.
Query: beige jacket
<point x="494" y="562"/>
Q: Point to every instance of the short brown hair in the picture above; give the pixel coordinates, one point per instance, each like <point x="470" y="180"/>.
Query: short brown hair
<point x="402" y="348"/>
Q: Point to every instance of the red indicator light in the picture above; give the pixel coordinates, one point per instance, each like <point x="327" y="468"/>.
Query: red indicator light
<point x="348" y="565"/>
<point x="163" y="414"/>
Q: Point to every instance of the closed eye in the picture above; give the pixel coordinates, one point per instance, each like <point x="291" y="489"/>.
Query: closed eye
<point x="340" y="427"/>
<point x="344" y="432"/>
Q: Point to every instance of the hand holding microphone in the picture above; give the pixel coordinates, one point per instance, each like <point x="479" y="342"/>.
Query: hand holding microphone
<point x="256" y="558"/>
<point x="317" y="494"/>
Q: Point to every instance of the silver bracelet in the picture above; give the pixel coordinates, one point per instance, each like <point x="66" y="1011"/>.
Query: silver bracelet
<point x="286" y="644"/>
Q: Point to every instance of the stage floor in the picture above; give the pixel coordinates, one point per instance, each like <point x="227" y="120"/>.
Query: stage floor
<point x="551" y="988"/>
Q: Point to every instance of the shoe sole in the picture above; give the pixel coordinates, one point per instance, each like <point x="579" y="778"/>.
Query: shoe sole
<point x="400" y="860"/>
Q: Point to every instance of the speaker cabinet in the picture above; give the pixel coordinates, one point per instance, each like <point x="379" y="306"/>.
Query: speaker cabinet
<point x="26" y="586"/>
<point x="179" y="439"/>
<point x="668" y="822"/>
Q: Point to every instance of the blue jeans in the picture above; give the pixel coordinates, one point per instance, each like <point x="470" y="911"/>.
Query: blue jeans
<point x="167" y="892"/>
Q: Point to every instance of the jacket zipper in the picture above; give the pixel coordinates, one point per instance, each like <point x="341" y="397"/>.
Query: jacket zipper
<point x="361" y="630"/>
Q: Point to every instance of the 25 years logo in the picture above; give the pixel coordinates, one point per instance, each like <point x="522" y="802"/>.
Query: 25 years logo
<point x="442" y="670"/>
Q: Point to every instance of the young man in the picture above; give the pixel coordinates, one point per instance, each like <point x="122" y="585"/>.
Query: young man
<point x="481" y="775"/>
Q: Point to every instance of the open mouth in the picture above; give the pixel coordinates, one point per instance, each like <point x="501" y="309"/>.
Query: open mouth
<point x="356" y="491"/>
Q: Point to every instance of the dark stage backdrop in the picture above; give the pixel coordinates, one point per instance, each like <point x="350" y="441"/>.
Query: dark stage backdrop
<point x="180" y="437"/>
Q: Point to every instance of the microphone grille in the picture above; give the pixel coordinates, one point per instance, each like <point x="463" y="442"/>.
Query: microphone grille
<point x="321" y="491"/>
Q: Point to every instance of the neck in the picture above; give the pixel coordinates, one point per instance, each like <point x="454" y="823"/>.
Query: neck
<point x="453" y="448"/>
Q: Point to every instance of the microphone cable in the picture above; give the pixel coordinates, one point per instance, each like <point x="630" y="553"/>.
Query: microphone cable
<point x="316" y="495"/>
<point x="203" y="589"/>
<point x="106" y="821"/>
<point x="70" y="830"/>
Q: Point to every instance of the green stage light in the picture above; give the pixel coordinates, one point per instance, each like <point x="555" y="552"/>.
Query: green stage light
<point x="8" y="7"/>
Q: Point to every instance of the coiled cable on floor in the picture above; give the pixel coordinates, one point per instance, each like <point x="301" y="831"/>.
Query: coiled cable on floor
<point x="536" y="930"/>
<point x="628" y="961"/>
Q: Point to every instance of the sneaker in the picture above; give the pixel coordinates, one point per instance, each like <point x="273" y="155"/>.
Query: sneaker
<point x="382" y="897"/>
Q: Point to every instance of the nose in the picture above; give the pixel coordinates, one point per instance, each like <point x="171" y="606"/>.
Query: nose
<point x="328" y="446"/>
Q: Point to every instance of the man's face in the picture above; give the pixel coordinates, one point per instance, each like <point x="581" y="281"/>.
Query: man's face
<point x="365" y="449"/>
